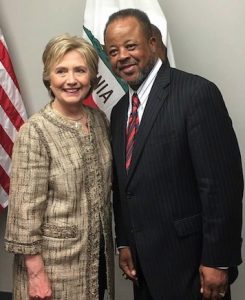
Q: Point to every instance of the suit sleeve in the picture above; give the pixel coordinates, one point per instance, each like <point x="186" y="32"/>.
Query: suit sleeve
<point x="120" y="228"/>
<point x="28" y="193"/>
<point x="217" y="165"/>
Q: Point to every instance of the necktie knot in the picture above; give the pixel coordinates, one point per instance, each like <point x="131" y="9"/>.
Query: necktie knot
<point x="135" y="101"/>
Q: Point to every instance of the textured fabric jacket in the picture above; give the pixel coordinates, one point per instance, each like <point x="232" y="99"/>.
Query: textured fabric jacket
<point x="60" y="203"/>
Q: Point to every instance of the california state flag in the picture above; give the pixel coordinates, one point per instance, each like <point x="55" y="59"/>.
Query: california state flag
<point x="110" y="88"/>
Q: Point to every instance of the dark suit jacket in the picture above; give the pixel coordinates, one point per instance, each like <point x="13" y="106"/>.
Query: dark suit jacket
<point x="181" y="203"/>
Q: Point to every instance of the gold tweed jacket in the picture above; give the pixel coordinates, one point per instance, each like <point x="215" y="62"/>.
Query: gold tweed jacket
<point x="60" y="203"/>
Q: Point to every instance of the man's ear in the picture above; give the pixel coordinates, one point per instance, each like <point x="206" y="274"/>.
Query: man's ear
<point x="153" y="44"/>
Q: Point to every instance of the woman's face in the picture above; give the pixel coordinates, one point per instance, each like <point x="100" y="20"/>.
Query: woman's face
<point x="70" y="79"/>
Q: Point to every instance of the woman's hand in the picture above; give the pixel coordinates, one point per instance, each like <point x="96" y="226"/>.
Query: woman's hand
<point x="39" y="286"/>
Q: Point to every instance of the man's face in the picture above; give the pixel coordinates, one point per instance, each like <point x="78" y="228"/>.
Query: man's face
<point x="131" y="54"/>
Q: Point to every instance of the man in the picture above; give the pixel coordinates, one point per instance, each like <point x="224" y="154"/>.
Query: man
<point x="178" y="181"/>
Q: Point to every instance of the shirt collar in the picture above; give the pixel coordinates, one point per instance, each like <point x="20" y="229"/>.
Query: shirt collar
<point x="144" y="89"/>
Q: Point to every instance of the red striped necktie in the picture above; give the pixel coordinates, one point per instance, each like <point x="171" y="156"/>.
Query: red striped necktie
<point x="133" y="124"/>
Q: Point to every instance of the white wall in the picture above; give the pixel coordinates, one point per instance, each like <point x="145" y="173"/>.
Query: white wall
<point x="207" y="37"/>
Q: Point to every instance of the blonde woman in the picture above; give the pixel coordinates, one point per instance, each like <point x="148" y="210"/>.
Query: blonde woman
<point x="59" y="218"/>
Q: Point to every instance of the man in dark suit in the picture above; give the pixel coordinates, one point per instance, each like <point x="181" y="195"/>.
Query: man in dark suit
<point x="178" y="181"/>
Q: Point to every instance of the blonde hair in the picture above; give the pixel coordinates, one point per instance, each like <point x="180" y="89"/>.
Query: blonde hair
<point x="58" y="46"/>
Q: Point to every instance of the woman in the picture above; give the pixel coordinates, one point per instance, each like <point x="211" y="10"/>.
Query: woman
<point x="59" y="218"/>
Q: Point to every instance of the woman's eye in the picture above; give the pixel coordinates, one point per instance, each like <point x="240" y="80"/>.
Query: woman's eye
<point x="60" y="71"/>
<point x="81" y="71"/>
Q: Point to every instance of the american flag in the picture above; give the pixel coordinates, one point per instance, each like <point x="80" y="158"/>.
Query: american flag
<point x="12" y="116"/>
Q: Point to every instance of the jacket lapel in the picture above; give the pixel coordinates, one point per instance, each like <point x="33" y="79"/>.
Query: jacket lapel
<point x="155" y="101"/>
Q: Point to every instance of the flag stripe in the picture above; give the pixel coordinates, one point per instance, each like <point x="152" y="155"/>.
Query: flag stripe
<point x="3" y="199"/>
<point x="89" y="101"/>
<point x="6" y="142"/>
<point x="5" y="60"/>
<point x="12" y="92"/>
<point x="10" y="110"/>
<point x="4" y="180"/>
<point x="5" y="160"/>
<point x="7" y="125"/>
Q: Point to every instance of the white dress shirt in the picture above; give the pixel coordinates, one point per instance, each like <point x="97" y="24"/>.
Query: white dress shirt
<point x="144" y="90"/>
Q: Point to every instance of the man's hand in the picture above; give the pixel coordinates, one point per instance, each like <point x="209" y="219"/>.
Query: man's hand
<point x="126" y="263"/>
<point x="214" y="282"/>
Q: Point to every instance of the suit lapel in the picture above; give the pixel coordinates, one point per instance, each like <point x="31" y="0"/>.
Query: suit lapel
<point x="155" y="101"/>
